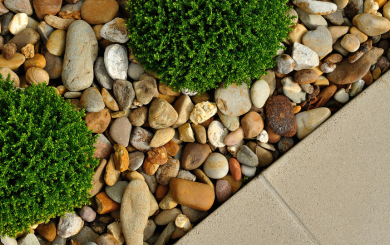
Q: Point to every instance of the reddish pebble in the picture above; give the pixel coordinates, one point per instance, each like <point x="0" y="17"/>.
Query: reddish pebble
<point x="235" y="169"/>
<point x="161" y="192"/>
<point x="223" y="190"/>
<point x="105" y="203"/>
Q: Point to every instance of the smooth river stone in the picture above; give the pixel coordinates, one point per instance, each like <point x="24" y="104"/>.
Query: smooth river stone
<point x="13" y="63"/>
<point x="234" y="100"/>
<point x="80" y="54"/>
<point x="346" y="73"/>
<point x="280" y="115"/>
<point x="195" y="195"/>
<point x="371" y="25"/>
<point x="307" y="121"/>
<point x="116" y="61"/>
<point x="316" y="7"/>
<point x="319" y="40"/>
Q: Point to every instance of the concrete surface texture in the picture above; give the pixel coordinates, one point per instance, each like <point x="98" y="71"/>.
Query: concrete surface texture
<point x="331" y="188"/>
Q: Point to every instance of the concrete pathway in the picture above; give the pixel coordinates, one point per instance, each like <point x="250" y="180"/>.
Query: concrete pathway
<point x="331" y="188"/>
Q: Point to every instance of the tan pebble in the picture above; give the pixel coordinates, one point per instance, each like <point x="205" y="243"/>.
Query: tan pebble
<point x="200" y="97"/>
<point x="200" y="133"/>
<point x="337" y="32"/>
<point x="350" y="42"/>
<point x="370" y="6"/>
<point x="203" y="111"/>
<point x="168" y="98"/>
<point x="36" y="75"/>
<point x="167" y="202"/>
<point x="14" y="63"/>
<point x="121" y="158"/>
<point x="376" y="73"/>
<point x="183" y="222"/>
<point x="111" y="175"/>
<point x="118" y="114"/>
<point x="109" y="100"/>
<point x="359" y="35"/>
<point x="297" y="33"/>
<point x="134" y="175"/>
<point x="166" y="90"/>
<point x="186" y="133"/>
<point x="97" y="29"/>
<point x="58" y="23"/>
<point x="172" y="148"/>
<point x="37" y="61"/>
<point x="149" y="167"/>
<point x="4" y="71"/>
<point x="28" y="51"/>
<point x="61" y="90"/>
<point x="56" y="42"/>
<point x="334" y="58"/>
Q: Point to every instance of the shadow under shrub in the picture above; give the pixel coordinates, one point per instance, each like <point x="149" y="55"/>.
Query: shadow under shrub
<point x="197" y="44"/>
<point x="46" y="157"/>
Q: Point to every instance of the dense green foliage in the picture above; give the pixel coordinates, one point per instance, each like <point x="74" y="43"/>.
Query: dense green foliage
<point x="46" y="157"/>
<point x="197" y="44"/>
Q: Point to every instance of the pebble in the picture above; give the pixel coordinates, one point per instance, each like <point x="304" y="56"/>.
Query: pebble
<point x="162" y="136"/>
<point x="116" y="61"/>
<point x="85" y="235"/>
<point x="145" y="89"/>
<point x="59" y="23"/>
<point x="305" y="76"/>
<point x="19" y="6"/>
<point x="359" y="35"/>
<point x="138" y="116"/>
<point x="124" y="93"/>
<point x="61" y="241"/>
<point x="248" y="171"/>
<point x="116" y="191"/>
<point x="45" y="7"/>
<point x="161" y="114"/>
<point x="120" y="131"/>
<point x="233" y="100"/>
<point x="80" y="54"/>
<point x="3" y="9"/>
<point x="105" y="204"/>
<point x="356" y="88"/>
<point x="35" y="75"/>
<point x="136" y="159"/>
<point x="167" y="216"/>
<point x="259" y="93"/>
<point x="88" y="243"/>
<point x="9" y="50"/>
<point x="296" y="34"/>
<point x="165" y="89"/>
<point x="150" y="228"/>
<point x="311" y="21"/>
<point x="247" y="157"/>
<point x="134" y="211"/>
<point x="187" y="175"/>
<point x="69" y="225"/>
<point x="383" y="63"/>
<point x="109" y="100"/>
<point x="184" y="107"/>
<point x="307" y="121"/>
<point x="135" y="71"/>
<point x="292" y="90"/>
<point x="107" y="239"/>
<point x="265" y="156"/>
<point x="56" y="42"/>
<point x="151" y="181"/>
<point x="230" y="122"/>
<point x="4" y="71"/>
<point x="103" y="147"/>
<point x="223" y="190"/>
<point x="234" y="137"/>
<point x="28" y="51"/>
<point x="194" y="154"/>
<point x="216" y="134"/>
<point x="316" y="7"/>
<point x="44" y="31"/>
<point x="47" y="231"/>
<point x="216" y="166"/>
<point x="99" y="11"/>
<point x="97" y="121"/>
<point x="18" y="23"/>
<point x="14" y="63"/>
<point x="350" y="42"/>
<point x="263" y="136"/>
<point x="115" y="31"/>
<point x="186" y="133"/>
<point x="271" y="80"/>
<point x="371" y="25"/>
<point x="374" y="54"/>
<point x="98" y="178"/>
<point x="202" y="112"/>
<point x="53" y="64"/>
<point x="319" y="40"/>
<point x="91" y="99"/>
<point x="121" y="158"/>
<point x="336" y="17"/>
<point x="337" y="32"/>
<point x="101" y="74"/>
<point x="346" y="73"/>
<point x="252" y="124"/>
<point x="166" y="234"/>
<point x="140" y="139"/>
<point x="341" y="96"/>
<point x="87" y="214"/>
<point x="5" y="20"/>
<point x="195" y="195"/>
<point x="168" y="171"/>
<point x="172" y="148"/>
<point x="285" y="144"/>
<point x="284" y="64"/>
<point x="29" y="239"/>
<point x="115" y="229"/>
<point x="280" y="115"/>
<point x="328" y="67"/>
<point x="304" y="57"/>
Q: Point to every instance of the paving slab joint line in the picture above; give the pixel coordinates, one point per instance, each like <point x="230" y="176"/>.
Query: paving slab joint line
<point x="288" y="209"/>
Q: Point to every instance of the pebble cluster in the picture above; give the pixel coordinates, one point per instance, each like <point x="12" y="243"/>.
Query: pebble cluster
<point x="168" y="158"/>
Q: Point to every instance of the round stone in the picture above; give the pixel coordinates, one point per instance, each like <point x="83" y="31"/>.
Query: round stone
<point x="370" y="24"/>
<point x="92" y="100"/>
<point x="56" y="42"/>
<point x="252" y="124"/>
<point x="87" y="214"/>
<point x="53" y="65"/>
<point x="120" y="131"/>
<point x="216" y="166"/>
<point x="194" y="154"/>
<point x="248" y="171"/>
<point x="101" y="74"/>
<point x="138" y="116"/>
<point x="233" y="100"/>
<point x="116" y="61"/>
<point x="115" y="31"/>
<point x="305" y="76"/>
<point x="99" y="11"/>
<point x="341" y="96"/>
<point x="98" y="121"/>
<point x="36" y="75"/>
<point x="223" y="190"/>
<point x="135" y="71"/>
<point x="260" y="92"/>
<point x="285" y="144"/>
<point x="217" y="133"/>
<point x="18" y="23"/>
<point x="350" y="43"/>
<point x="280" y="115"/>
<point x="46" y="7"/>
<point x="4" y="71"/>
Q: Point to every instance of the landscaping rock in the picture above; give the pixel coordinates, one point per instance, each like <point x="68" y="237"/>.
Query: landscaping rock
<point x="85" y="235"/>
<point x="260" y="92"/>
<point x="116" y="61"/>
<point x="101" y="74"/>
<point x="280" y="115"/>
<point x="292" y="90"/>
<point x="145" y="89"/>
<point x="216" y="133"/>
<point x="346" y="73"/>
<point x="98" y="121"/>
<point x="87" y="214"/>
<point x="135" y="71"/>
<point x="53" y="65"/>
<point x="320" y="41"/>
<point x="116" y="191"/>
<point x="120" y="131"/>
<point x="194" y="155"/>
<point x="161" y="114"/>
<point x="370" y="24"/>
<point x="309" y="120"/>
<point x="247" y="157"/>
<point x="69" y="225"/>
<point x="19" y="6"/>
<point x="233" y="100"/>
<point x="140" y="139"/>
<point x="99" y="11"/>
<point x="252" y="124"/>
<point x="124" y="93"/>
<point x="304" y="57"/>
<point x="115" y="31"/>
<point x="316" y="7"/>
<point x="216" y="166"/>
<point x="91" y="99"/>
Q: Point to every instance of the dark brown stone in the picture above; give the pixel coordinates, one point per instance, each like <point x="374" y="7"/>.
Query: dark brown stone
<point x="366" y="46"/>
<point x="326" y="94"/>
<point x="280" y="115"/>
<point x="194" y="154"/>
<point x="334" y="58"/>
<point x="346" y="73"/>
<point x="368" y="79"/>
<point x="9" y="50"/>
<point x="355" y="56"/>
<point x="285" y="144"/>
<point x="382" y="63"/>
<point x="99" y="225"/>
<point x="305" y="76"/>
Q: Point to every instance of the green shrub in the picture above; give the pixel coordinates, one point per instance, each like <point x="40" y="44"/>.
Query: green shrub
<point x="46" y="157"/>
<point x="197" y="44"/>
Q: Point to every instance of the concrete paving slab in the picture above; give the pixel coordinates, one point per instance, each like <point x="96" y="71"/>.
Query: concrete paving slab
<point x="336" y="181"/>
<point x="253" y="216"/>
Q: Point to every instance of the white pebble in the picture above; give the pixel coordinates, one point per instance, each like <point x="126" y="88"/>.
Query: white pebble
<point x="248" y="171"/>
<point x="341" y="96"/>
<point x="263" y="137"/>
<point x="18" y="23"/>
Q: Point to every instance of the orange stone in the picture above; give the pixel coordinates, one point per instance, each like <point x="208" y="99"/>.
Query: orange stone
<point x="121" y="158"/>
<point x="158" y="155"/>
<point x="161" y="192"/>
<point x="297" y="109"/>
<point x="172" y="148"/>
<point x="47" y="231"/>
<point x="235" y="169"/>
<point x="192" y="194"/>
<point x="98" y="121"/>
<point x="326" y="94"/>
<point x="37" y="61"/>
<point x="272" y="136"/>
<point x="105" y="203"/>
<point x="149" y="167"/>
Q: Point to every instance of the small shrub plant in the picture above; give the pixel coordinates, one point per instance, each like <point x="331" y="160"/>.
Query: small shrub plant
<point x="196" y="44"/>
<point x="46" y="157"/>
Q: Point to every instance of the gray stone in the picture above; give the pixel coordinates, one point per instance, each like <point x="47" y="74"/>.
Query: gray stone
<point x="101" y="74"/>
<point x="85" y="235"/>
<point x="136" y="160"/>
<point x="230" y="122"/>
<point x="29" y="239"/>
<point x="80" y="54"/>
<point x="92" y="100"/>
<point x="27" y="36"/>
<point x="248" y="171"/>
<point x="233" y="100"/>
<point x="8" y="240"/>
<point x="305" y="58"/>
<point x="19" y="6"/>
<point x="319" y="40"/>
<point x="145" y="89"/>
<point x="124" y="93"/>
<point x="193" y="214"/>
<point x="316" y="7"/>
<point x="166" y="216"/>
<point x="149" y="229"/>
<point x="140" y="139"/>
<point x="116" y="61"/>
<point x="115" y="31"/>
<point x="247" y="157"/>
<point x="69" y="225"/>
<point x="284" y="64"/>
<point x="115" y="192"/>
<point x="59" y="240"/>
<point x="87" y="214"/>
<point x="311" y="21"/>
<point x="45" y="31"/>
<point x="356" y="88"/>
<point x="72" y="95"/>
<point x="259" y="93"/>
<point x="72" y="7"/>
<point x="90" y="243"/>
<point x="187" y="175"/>
<point x="166" y="234"/>
<point x="5" y="20"/>
<point x="33" y="24"/>
<point x="120" y="131"/>
<point x="53" y="65"/>
<point x="341" y="96"/>
<point x="336" y="17"/>
<point x="135" y="71"/>
<point x="216" y="166"/>
<point x="150" y="180"/>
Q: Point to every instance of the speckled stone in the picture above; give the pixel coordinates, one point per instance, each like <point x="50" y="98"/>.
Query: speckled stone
<point x="280" y="115"/>
<point x="92" y="100"/>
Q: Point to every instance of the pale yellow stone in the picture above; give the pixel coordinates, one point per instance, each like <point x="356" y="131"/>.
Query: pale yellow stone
<point x="381" y="2"/>
<point x="203" y="111"/>
<point x="186" y="133"/>
<point x="28" y="51"/>
<point x="97" y="29"/>
<point x="167" y="202"/>
<point x="61" y="90"/>
<point x="183" y="222"/>
<point x="56" y="42"/>
<point x="337" y="32"/>
<point x="297" y="33"/>
<point x="115" y="229"/>
<point x="370" y="6"/>
<point x="322" y="81"/>
<point x="153" y="204"/>
<point x="360" y="35"/>
<point x="134" y="175"/>
<point x="386" y="10"/>
<point x="371" y="25"/>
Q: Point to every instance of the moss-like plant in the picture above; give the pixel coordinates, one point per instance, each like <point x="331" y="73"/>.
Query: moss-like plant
<point x="197" y="44"/>
<point x="46" y="157"/>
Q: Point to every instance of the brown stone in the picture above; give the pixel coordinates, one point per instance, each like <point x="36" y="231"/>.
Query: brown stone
<point x="14" y="63"/>
<point x="172" y="148"/>
<point x="109" y="100"/>
<point x="98" y="178"/>
<point x="346" y="73"/>
<point x="334" y="58"/>
<point x="234" y="137"/>
<point x="111" y="175"/>
<point x="98" y="121"/>
<point x="280" y="115"/>
<point x="149" y="167"/>
<point x="355" y="56"/>
<point x="200" y="133"/>
<point x="368" y="79"/>
<point x="202" y="177"/>
<point x="200" y="97"/>
<point x="265" y="157"/>
<point x="297" y="109"/>
<point x="192" y="194"/>
<point x="45" y="7"/>
<point x="235" y="169"/>
<point x="166" y="90"/>
<point x="53" y="65"/>
<point x="161" y="114"/>
<point x="376" y="73"/>
<point x="58" y="23"/>
<point x="272" y="136"/>
<point x="36" y="75"/>
<point x="233" y="183"/>
<point x="184" y="107"/>
<point x="47" y="231"/>
<point x="105" y="203"/>
<point x="305" y="76"/>
<point x="37" y="61"/>
<point x="207" y="122"/>
<point x="121" y="158"/>
<point x="366" y="46"/>
<point x="168" y="171"/>
<point x="326" y="94"/>
<point x="139" y="116"/>
<point x="161" y="192"/>
<point x="194" y="154"/>
<point x="103" y="147"/>
<point x="252" y="124"/>
<point x="9" y="50"/>
<point x="158" y="155"/>
<point x="99" y="11"/>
